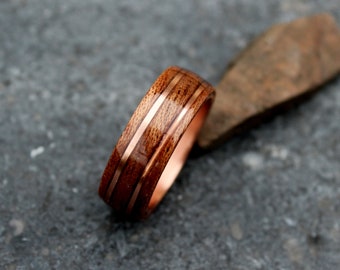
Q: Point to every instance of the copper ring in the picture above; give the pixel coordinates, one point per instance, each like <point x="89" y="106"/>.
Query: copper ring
<point x="156" y="142"/>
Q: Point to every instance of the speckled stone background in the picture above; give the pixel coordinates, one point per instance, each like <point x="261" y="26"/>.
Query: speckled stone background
<point x="72" y="73"/>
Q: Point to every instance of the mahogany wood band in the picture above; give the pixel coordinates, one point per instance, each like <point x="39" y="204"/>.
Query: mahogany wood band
<point x="155" y="143"/>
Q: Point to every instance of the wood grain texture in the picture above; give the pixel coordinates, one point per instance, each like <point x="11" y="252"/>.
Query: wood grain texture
<point x="149" y="140"/>
<point x="287" y="62"/>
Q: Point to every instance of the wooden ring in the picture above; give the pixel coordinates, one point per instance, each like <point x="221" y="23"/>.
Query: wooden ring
<point x="156" y="142"/>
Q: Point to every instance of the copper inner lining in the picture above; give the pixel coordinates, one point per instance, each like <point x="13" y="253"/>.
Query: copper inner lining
<point x="179" y="156"/>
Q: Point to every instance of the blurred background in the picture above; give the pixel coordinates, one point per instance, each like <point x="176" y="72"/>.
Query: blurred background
<point x="71" y="74"/>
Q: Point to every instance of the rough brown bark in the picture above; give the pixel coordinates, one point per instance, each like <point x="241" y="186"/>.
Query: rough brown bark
<point x="287" y="62"/>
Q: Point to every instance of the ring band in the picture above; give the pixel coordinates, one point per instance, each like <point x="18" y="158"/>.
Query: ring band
<point x="155" y="143"/>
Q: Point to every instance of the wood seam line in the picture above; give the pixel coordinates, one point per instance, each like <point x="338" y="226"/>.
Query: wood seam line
<point x="126" y="145"/>
<point x="139" y="133"/>
<point x="167" y="136"/>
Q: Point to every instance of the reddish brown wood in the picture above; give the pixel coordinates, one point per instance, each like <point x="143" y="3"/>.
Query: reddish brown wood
<point x="160" y="132"/>
<point x="285" y="63"/>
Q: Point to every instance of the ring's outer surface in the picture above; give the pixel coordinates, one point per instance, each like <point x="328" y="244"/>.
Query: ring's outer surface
<point x="155" y="143"/>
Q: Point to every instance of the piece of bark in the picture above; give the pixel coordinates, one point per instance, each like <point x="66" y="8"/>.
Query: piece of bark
<point x="285" y="63"/>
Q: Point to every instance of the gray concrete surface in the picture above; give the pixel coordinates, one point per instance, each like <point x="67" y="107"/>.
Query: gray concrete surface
<point x="71" y="74"/>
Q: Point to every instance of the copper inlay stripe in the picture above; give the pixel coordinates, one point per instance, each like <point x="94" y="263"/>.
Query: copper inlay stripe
<point x="167" y="136"/>
<point x="140" y="131"/>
